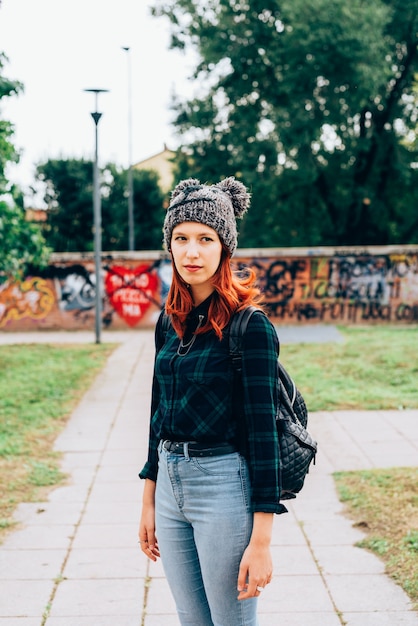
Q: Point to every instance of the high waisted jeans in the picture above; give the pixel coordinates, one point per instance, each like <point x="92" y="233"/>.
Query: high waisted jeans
<point x="203" y="525"/>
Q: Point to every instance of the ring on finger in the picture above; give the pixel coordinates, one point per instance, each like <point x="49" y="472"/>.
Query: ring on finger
<point x="259" y="588"/>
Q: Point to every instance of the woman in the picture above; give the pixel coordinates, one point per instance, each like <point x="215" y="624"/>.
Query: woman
<point x="210" y="506"/>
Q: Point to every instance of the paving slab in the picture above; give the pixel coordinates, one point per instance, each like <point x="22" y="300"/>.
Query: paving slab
<point x="98" y="597"/>
<point x="316" y="333"/>
<point x="162" y="620"/>
<point x="347" y="560"/>
<point x="104" y="535"/>
<point x="298" y="618"/>
<point x="367" y="593"/>
<point x="27" y="598"/>
<point x="19" y="621"/>
<point x="39" y="537"/>
<point x="91" y="620"/>
<point x="48" y="513"/>
<point x="305" y="594"/>
<point x="23" y="565"/>
<point x="104" y="562"/>
<point x="379" y="618"/>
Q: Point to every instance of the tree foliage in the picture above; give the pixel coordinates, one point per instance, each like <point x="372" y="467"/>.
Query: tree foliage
<point x="69" y="198"/>
<point x="21" y="243"/>
<point x="312" y="105"/>
<point x="8" y="152"/>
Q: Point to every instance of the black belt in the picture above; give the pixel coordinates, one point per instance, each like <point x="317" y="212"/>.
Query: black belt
<point x="198" y="449"/>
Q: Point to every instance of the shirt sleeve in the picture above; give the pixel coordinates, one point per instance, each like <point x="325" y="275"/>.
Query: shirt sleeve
<point x="260" y="347"/>
<point x="150" y="468"/>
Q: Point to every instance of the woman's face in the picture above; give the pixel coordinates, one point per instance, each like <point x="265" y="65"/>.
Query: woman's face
<point x="196" y="250"/>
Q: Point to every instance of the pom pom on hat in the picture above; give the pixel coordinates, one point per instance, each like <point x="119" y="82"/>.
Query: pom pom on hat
<point x="240" y="197"/>
<point x="217" y="206"/>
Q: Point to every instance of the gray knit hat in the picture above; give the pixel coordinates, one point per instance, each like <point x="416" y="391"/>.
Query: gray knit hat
<point x="217" y="206"/>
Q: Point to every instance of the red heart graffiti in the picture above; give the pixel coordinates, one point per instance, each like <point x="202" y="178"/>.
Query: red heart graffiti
<point x="130" y="291"/>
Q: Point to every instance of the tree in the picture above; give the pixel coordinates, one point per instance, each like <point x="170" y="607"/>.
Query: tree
<point x="8" y="152"/>
<point x="21" y="243"/>
<point x="310" y="104"/>
<point x="148" y="210"/>
<point x="69" y="198"/>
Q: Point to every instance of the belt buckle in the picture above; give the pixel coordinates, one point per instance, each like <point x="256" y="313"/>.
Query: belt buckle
<point x="173" y="446"/>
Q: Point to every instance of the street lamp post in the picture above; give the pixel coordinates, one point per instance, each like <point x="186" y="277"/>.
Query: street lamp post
<point x="97" y="217"/>
<point x="131" y="228"/>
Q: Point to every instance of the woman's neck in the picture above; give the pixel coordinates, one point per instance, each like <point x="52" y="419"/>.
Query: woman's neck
<point x="200" y="294"/>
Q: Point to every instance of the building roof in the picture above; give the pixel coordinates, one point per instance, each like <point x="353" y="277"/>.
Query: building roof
<point x="162" y="163"/>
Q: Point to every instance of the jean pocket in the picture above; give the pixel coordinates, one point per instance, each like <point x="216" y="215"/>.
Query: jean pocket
<point x="224" y="465"/>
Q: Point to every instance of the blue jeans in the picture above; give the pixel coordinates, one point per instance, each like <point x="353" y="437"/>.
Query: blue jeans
<point x="203" y="525"/>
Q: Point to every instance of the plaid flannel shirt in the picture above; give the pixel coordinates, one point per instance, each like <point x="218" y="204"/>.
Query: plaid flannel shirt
<point x="192" y="400"/>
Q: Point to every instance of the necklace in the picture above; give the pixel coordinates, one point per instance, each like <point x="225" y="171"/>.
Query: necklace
<point x="184" y="348"/>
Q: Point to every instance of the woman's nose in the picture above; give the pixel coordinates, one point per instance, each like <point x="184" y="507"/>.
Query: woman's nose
<point x="192" y="249"/>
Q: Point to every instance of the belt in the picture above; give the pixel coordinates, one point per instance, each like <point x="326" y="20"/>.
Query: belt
<point x="198" y="449"/>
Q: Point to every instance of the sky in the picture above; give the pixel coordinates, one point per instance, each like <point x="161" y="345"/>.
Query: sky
<point x="58" y="48"/>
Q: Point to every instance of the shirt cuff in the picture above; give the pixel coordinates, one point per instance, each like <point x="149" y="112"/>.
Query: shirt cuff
<point x="148" y="471"/>
<point x="269" y="508"/>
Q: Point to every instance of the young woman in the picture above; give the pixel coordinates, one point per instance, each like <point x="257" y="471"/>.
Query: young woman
<point x="210" y="506"/>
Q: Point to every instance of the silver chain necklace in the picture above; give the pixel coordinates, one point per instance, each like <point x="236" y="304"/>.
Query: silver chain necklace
<point x="187" y="346"/>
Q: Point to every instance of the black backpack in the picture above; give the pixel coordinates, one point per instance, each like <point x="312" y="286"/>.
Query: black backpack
<point x="297" y="447"/>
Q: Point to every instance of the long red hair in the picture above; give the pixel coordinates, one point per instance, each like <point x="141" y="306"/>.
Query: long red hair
<point x="232" y="293"/>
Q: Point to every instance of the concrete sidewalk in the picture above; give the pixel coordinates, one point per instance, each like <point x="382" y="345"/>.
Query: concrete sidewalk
<point x="74" y="560"/>
<point x="315" y="333"/>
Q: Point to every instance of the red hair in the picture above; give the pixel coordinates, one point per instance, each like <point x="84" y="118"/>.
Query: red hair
<point x="232" y="293"/>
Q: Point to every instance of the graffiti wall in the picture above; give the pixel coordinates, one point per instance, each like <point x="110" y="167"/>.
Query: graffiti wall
<point x="331" y="285"/>
<point x="64" y="295"/>
<point x="344" y="287"/>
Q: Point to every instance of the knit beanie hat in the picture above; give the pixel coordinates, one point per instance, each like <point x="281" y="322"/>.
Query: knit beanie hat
<point x="217" y="206"/>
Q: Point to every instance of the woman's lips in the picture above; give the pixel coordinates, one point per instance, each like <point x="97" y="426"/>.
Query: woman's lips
<point x="192" y="268"/>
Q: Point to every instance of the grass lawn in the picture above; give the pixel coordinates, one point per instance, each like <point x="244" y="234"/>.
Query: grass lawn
<point x="39" y="387"/>
<point x="384" y="504"/>
<point x="375" y="367"/>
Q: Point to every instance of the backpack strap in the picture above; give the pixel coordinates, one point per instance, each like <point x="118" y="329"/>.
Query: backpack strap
<point x="238" y="326"/>
<point x="236" y="330"/>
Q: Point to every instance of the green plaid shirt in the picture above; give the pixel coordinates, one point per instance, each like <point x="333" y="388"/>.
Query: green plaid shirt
<point x="192" y="399"/>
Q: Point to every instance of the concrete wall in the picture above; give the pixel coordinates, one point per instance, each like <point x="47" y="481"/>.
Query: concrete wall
<point x="318" y="285"/>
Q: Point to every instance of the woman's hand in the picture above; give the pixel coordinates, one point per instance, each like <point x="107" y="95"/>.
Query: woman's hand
<point x="256" y="571"/>
<point x="147" y="538"/>
<point x="256" y="568"/>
